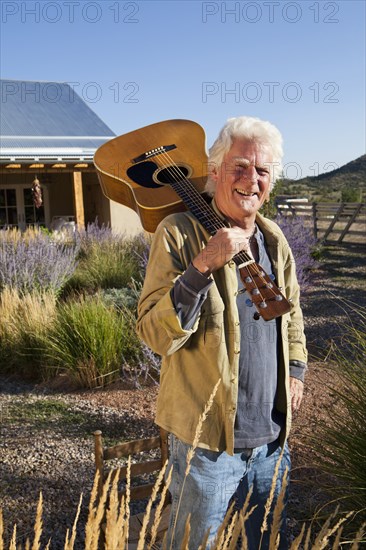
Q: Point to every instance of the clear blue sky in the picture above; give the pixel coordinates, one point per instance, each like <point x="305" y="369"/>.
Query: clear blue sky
<point x="299" y="64"/>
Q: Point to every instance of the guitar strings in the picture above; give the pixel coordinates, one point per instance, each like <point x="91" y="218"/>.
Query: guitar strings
<point x="179" y="177"/>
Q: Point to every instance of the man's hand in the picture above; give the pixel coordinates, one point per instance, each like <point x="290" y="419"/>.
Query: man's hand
<point x="296" y="392"/>
<point x="221" y="248"/>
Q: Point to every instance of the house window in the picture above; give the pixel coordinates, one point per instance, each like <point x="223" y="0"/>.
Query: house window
<point x="17" y="208"/>
<point x="8" y="208"/>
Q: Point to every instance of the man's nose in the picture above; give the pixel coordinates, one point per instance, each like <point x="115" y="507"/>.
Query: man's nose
<point x="250" y="174"/>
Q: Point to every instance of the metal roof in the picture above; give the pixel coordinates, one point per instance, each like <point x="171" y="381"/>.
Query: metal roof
<point x="41" y="120"/>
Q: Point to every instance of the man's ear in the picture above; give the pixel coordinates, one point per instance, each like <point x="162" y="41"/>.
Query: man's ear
<point x="214" y="173"/>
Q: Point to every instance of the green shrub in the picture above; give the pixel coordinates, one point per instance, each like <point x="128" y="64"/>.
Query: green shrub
<point x="107" y="260"/>
<point x="341" y="443"/>
<point x="90" y="341"/>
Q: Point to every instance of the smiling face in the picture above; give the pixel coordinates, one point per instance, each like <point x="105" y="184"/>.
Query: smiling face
<point x="243" y="181"/>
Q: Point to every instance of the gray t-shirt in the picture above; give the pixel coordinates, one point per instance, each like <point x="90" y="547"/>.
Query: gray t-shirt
<point x="257" y="421"/>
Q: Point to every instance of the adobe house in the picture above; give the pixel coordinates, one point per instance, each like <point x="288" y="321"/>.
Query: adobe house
<point x="48" y="133"/>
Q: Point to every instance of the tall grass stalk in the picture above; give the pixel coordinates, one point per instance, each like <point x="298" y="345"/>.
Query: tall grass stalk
<point x="117" y="515"/>
<point x="278" y="513"/>
<point x="70" y="542"/>
<point x="38" y="524"/>
<point x="191" y="451"/>
<point x="96" y="513"/>
<point x="159" y="481"/>
<point x="269" y="502"/>
<point x="159" y="509"/>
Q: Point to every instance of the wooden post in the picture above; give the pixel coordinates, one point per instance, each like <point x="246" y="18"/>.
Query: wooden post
<point x="78" y="199"/>
<point x="315" y="225"/>
<point x="99" y="458"/>
<point x="164" y="446"/>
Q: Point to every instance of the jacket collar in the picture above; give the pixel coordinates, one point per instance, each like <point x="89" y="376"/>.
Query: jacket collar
<point x="264" y="224"/>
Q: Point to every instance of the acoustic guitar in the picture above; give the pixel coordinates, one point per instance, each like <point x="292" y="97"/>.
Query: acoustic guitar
<point x="161" y="169"/>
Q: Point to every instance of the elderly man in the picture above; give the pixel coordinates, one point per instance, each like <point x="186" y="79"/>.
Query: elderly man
<point x="192" y="313"/>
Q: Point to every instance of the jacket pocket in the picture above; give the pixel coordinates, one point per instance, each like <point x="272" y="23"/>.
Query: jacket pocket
<point x="213" y="320"/>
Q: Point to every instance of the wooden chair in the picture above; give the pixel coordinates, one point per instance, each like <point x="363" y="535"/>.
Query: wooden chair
<point x="137" y="492"/>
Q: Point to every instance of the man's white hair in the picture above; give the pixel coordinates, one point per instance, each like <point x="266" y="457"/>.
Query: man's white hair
<point x="249" y="128"/>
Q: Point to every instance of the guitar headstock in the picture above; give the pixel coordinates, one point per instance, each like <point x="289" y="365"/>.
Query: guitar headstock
<point x="264" y="293"/>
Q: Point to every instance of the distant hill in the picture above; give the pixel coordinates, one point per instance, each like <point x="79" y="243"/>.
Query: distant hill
<point x="347" y="183"/>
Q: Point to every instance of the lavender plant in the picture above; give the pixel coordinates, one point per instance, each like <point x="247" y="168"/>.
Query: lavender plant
<point x="142" y="251"/>
<point x="36" y="262"/>
<point x="302" y="243"/>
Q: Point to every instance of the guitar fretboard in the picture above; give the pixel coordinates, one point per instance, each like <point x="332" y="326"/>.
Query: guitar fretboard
<point x="204" y="213"/>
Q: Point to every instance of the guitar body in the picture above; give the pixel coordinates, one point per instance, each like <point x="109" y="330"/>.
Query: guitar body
<point x="131" y="174"/>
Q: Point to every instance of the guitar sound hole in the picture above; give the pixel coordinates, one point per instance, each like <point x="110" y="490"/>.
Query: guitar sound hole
<point x="171" y="174"/>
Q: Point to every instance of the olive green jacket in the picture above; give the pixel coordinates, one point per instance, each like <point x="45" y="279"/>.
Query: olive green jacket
<point x="194" y="360"/>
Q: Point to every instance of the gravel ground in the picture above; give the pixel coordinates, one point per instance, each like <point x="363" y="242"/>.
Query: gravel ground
<point x="46" y="431"/>
<point x="53" y="450"/>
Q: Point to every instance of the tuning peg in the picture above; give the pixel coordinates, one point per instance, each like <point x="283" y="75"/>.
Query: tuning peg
<point x="278" y="298"/>
<point x="263" y="305"/>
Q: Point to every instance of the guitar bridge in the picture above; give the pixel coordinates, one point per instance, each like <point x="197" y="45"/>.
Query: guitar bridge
<point x="153" y="153"/>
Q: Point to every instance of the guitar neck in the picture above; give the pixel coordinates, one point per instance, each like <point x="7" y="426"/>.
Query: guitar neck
<point x="204" y="213"/>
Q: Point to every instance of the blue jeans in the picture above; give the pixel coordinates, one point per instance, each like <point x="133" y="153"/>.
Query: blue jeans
<point x="214" y="481"/>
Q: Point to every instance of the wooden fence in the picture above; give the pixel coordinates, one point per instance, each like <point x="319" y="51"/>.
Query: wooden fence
<point x="333" y="222"/>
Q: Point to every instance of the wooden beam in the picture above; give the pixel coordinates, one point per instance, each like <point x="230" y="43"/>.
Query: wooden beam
<point x="357" y="210"/>
<point x="78" y="199"/>
<point x="334" y="221"/>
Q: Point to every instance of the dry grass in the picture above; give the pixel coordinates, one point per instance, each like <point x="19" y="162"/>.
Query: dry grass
<point x="107" y="525"/>
<point x="114" y="535"/>
<point x="34" y="312"/>
<point x="108" y="519"/>
<point x="25" y="321"/>
<point x="14" y="236"/>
